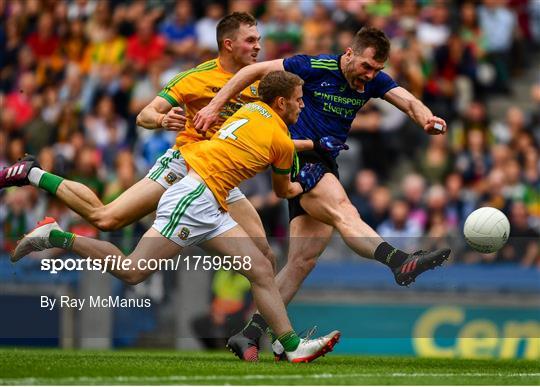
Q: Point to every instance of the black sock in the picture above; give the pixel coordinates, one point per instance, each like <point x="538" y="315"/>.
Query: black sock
<point x="256" y="327"/>
<point x="389" y="255"/>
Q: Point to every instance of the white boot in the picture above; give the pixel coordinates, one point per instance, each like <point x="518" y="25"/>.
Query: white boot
<point x="310" y="349"/>
<point x="36" y="240"/>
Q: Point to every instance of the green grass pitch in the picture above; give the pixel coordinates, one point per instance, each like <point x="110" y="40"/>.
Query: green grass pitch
<point x="53" y="366"/>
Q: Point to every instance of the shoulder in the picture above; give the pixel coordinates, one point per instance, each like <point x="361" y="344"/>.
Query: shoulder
<point x="383" y="77"/>
<point x="309" y="60"/>
<point x="381" y="84"/>
<point x="325" y="61"/>
<point x="193" y="73"/>
<point x="204" y="67"/>
<point x="312" y="63"/>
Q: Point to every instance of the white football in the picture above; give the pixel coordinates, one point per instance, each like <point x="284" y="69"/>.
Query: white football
<point x="486" y="229"/>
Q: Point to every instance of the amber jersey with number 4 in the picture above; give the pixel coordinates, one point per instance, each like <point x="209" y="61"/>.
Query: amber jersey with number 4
<point x="246" y="144"/>
<point x="195" y="88"/>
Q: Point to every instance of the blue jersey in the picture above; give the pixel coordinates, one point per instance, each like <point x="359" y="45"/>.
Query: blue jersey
<point x="330" y="103"/>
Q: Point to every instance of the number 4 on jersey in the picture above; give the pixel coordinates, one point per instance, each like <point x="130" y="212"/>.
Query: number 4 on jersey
<point x="228" y="131"/>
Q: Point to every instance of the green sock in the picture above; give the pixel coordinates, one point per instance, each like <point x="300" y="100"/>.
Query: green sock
<point x="62" y="239"/>
<point x="289" y="340"/>
<point x="50" y="182"/>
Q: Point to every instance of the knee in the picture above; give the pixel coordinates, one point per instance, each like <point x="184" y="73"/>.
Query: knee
<point x="105" y="220"/>
<point x="264" y="247"/>
<point x="269" y="254"/>
<point x="261" y="271"/>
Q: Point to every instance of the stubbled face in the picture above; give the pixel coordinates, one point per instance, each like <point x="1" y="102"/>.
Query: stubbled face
<point x="293" y="106"/>
<point x="360" y="68"/>
<point x="246" y="45"/>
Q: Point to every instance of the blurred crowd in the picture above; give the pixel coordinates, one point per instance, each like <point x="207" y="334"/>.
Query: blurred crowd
<point x="74" y="74"/>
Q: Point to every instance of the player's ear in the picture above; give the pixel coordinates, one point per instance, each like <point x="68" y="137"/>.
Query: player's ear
<point x="281" y="102"/>
<point x="349" y="53"/>
<point x="227" y="44"/>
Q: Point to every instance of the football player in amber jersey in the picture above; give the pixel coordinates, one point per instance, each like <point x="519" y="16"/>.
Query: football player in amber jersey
<point x="238" y="41"/>
<point x="194" y="210"/>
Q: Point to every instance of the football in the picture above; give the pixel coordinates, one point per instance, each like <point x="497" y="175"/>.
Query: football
<point x="486" y="229"/>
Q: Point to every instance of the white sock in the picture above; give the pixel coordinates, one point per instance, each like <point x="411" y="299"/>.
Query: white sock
<point x="34" y="176"/>
<point x="277" y="347"/>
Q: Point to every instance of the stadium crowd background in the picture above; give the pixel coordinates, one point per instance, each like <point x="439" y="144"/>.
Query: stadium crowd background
<point x="74" y="74"/>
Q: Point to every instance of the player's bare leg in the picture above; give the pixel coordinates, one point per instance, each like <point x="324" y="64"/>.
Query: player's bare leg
<point x="328" y="203"/>
<point x="309" y="238"/>
<point x="261" y="274"/>
<point x="136" y="202"/>
<point x="243" y="212"/>
<point x="139" y="200"/>
<point x="151" y="246"/>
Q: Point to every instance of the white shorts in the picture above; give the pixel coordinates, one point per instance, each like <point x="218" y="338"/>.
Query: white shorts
<point x="189" y="214"/>
<point x="170" y="168"/>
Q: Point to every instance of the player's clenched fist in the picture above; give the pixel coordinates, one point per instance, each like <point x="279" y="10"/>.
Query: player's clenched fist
<point x="435" y="125"/>
<point x="174" y="119"/>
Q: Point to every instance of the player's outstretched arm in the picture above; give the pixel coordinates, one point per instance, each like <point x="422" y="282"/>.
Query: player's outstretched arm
<point x="161" y="114"/>
<point x="208" y="115"/>
<point x="416" y="110"/>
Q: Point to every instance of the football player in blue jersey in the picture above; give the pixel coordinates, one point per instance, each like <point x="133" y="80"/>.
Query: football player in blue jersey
<point x="335" y="88"/>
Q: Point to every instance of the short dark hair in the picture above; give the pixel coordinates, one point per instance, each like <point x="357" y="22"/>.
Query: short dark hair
<point x="372" y="37"/>
<point x="229" y="25"/>
<point x="278" y="84"/>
